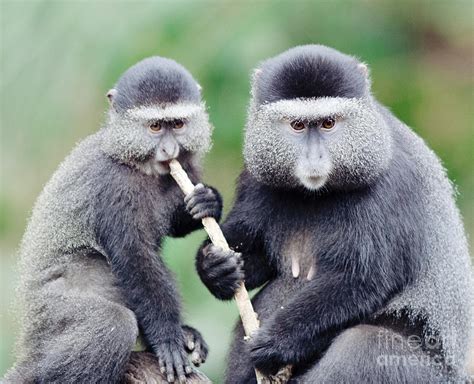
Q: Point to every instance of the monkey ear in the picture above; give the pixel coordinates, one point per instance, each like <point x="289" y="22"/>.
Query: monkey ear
<point x="111" y="95"/>
<point x="254" y="79"/>
<point x="256" y="74"/>
<point x="364" y="69"/>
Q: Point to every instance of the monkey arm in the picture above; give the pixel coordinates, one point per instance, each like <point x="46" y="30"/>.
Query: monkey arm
<point x="244" y="230"/>
<point x="183" y="223"/>
<point x="146" y="283"/>
<point x="147" y="286"/>
<point x="222" y="271"/>
<point x="242" y="239"/>
<point x="127" y="233"/>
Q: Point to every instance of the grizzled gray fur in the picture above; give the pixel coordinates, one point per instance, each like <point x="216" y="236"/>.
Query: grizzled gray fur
<point x="91" y="272"/>
<point x="348" y="222"/>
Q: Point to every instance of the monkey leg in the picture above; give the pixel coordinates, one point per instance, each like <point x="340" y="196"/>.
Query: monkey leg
<point x="143" y="368"/>
<point x="372" y="354"/>
<point x="90" y="341"/>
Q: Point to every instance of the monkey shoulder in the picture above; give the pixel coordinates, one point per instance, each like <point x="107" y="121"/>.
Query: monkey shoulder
<point x="90" y="190"/>
<point x="252" y="205"/>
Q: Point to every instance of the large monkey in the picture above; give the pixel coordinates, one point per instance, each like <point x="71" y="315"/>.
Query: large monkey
<point x="350" y="221"/>
<point x="91" y="271"/>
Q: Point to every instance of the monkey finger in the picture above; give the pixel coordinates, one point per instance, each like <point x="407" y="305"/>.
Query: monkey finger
<point x="208" y="199"/>
<point x="205" y="197"/>
<point x="205" y="194"/>
<point x="229" y="266"/>
<point x="204" y="350"/>
<point x="179" y="366"/>
<point x="230" y="283"/>
<point x="201" y="212"/>
<point x="212" y="250"/>
<point x="232" y="279"/>
<point x="187" y="366"/>
<point x="222" y="271"/>
<point x="189" y="341"/>
<point x="197" y="349"/>
<point x="188" y="369"/>
<point x="161" y="364"/>
<point x="169" y="367"/>
<point x="211" y="261"/>
<point x="198" y="189"/>
<point x="199" y="186"/>
<point x="199" y="199"/>
<point x="219" y="254"/>
<point x="199" y="355"/>
<point x="225" y="292"/>
<point x="190" y="345"/>
<point x="196" y="359"/>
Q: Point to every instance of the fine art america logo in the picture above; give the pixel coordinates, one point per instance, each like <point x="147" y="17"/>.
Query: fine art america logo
<point x="413" y="350"/>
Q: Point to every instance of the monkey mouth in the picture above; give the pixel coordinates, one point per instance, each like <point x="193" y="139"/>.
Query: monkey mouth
<point x="315" y="179"/>
<point x="313" y="182"/>
<point x="163" y="167"/>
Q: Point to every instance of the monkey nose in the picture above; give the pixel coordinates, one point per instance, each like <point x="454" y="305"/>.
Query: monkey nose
<point x="173" y="152"/>
<point x="166" y="153"/>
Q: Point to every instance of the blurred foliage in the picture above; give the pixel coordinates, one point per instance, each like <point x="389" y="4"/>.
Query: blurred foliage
<point x="58" y="59"/>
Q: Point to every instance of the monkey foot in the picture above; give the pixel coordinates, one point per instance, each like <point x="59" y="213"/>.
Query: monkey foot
<point x="143" y="368"/>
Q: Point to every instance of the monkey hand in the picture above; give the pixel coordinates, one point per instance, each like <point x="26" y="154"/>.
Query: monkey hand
<point x="173" y="360"/>
<point x="220" y="271"/>
<point x="195" y="345"/>
<point x="204" y="201"/>
<point x="269" y="351"/>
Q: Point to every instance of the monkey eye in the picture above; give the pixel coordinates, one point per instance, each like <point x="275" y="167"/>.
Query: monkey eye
<point x="155" y="126"/>
<point x="178" y="124"/>
<point x="328" y="123"/>
<point x="298" y="125"/>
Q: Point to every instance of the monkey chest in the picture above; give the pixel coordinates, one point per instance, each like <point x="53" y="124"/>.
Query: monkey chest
<point x="165" y="205"/>
<point x="298" y="258"/>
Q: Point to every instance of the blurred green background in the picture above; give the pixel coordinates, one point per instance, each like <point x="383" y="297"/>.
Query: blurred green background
<point x="58" y="59"/>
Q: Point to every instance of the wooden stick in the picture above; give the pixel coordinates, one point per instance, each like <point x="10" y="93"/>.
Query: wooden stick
<point x="247" y="314"/>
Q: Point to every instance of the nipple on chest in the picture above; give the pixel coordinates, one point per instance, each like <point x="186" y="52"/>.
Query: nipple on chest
<point x="299" y="251"/>
<point x="295" y="268"/>
<point x="295" y="265"/>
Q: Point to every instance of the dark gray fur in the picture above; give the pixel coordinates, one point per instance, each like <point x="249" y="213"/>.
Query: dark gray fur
<point x="155" y="80"/>
<point x="303" y="73"/>
<point x="389" y="251"/>
<point x="91" y="271"/>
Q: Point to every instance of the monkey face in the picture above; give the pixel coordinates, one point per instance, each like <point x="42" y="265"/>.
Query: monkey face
<point x="156" y="115"/>
<point x="330" y="142"/>
<point x="149" y="137"/>
<point x="313" y="123"/>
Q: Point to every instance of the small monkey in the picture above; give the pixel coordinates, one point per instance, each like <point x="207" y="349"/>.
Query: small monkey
<point x="92" y="275"/>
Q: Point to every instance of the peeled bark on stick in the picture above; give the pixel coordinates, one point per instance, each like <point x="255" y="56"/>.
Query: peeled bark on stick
<point x="242" y="299"/>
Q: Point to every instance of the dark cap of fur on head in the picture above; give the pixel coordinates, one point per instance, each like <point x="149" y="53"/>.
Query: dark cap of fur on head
<point x="155" y="80"/>
<point x="310" y="71"/>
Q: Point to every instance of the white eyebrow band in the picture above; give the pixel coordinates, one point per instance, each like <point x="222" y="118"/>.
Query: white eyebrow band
<point x="174" y="111"/>
<point x="312" y="108"/>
